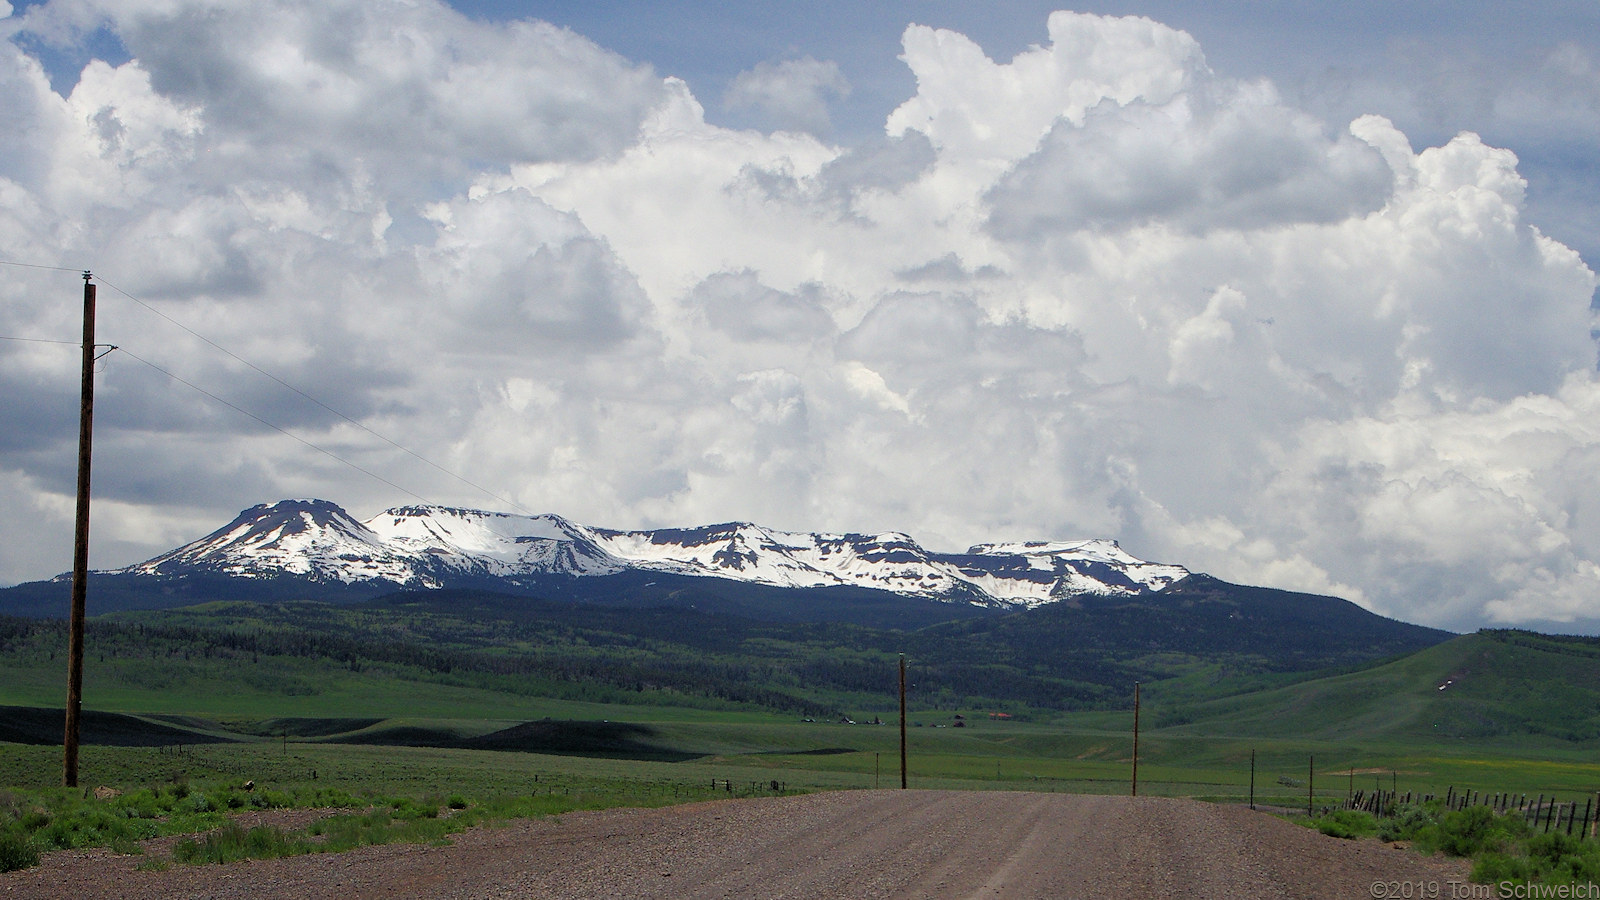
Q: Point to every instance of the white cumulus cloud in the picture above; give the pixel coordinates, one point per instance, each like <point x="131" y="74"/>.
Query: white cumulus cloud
<point x="1097" y="290"/>
<point x="791" y="94"/>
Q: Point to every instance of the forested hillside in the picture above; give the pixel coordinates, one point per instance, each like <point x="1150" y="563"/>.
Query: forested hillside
<point x="1077" y="656"/>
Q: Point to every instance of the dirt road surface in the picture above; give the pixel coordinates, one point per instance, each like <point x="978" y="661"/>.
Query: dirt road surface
<point x="845" y="844"/>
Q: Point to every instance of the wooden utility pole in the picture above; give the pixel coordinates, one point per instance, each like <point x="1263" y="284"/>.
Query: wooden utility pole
<point x="1252" y="778"/>
<point x="1311" y="783"/>
<point x="1136" y="739"/>
<point x="80" y="545"/>
<point x="902" y="721"/>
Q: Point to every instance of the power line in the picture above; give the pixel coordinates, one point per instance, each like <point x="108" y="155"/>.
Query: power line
<point x="231" y="406"/>
<point x="324" y="451"/>
<point x="23" y="265"/>
<point x="264" y="373"/>
<point x="286" y="385"/>
<point x="39" y="340"/>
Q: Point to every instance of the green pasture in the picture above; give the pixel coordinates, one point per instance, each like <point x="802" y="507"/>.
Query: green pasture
<point x="391" y="784"/>
<point x="291" y="688"/>
<point x="1518" y="713"/>
<point x="754" y="750"/>
<point x="1514" y="690"/>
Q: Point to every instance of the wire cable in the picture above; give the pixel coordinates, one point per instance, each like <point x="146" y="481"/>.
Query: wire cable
<point x="324" y="451"/>
<point x="23" y="265"/>
<point x="264" y="373"/>
<point x="286" y="385"/>
<point x="38" y="340"/>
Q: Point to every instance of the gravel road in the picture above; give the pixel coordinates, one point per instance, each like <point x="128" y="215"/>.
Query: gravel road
<point x="845" y="844"/>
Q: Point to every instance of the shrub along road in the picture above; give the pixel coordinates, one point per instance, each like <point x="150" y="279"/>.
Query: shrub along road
<point x="846" y="844"/>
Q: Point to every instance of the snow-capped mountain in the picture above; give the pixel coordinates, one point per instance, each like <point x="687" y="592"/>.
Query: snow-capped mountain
<point x="434" y="546"/>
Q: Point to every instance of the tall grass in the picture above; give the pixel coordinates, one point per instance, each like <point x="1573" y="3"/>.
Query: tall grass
<point x="1502" y="846"/>
<point x="232" y="842"/>
<point x="44" y="819"/>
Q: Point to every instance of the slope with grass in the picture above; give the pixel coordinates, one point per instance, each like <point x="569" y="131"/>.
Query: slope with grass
<point x="1511" y="688"/>
<point x="313" y="659"/>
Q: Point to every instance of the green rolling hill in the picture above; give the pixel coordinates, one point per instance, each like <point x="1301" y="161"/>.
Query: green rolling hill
<point x="1216" y="661"/>
<point x="1493" y="687"/>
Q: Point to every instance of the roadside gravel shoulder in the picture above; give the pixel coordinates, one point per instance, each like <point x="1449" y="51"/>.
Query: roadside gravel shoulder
<point x="845" y="844"/>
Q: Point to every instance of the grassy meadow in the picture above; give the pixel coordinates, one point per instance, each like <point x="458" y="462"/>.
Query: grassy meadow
<point x="291" y="743"/>
<point x="175" y="712"/>
<point x="1517" y="713"/>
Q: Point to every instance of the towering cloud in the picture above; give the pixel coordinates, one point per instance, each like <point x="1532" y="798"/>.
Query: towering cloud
<point x="1098" y="290"/>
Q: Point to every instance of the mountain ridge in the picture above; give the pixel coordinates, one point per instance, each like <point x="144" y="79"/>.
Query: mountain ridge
<point x="438" y="546"/>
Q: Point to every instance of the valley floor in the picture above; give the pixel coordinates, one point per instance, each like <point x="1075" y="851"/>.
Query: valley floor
<point x="839" y="844"/>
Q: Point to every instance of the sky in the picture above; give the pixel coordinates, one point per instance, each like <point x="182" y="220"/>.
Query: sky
<point x="1296" y="294"/>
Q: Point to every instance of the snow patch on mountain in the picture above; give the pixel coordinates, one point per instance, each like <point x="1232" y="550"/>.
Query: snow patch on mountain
<point x="311" y="538"/>
<point x="433" y="546"/>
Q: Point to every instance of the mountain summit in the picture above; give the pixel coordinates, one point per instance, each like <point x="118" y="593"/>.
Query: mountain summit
<point x="437" y="547"/>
